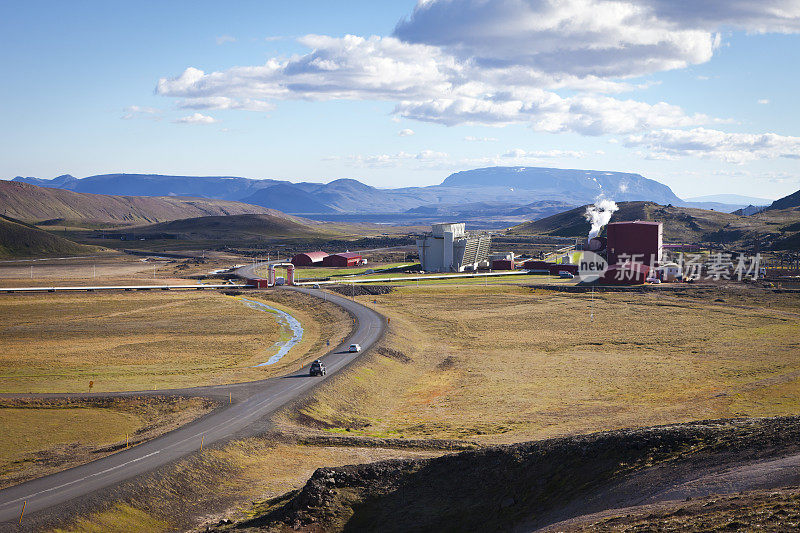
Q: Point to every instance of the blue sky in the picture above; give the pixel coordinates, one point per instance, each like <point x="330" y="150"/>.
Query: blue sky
<point x="701" y="99"/>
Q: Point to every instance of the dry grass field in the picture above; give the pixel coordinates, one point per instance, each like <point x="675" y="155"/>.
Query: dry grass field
<point x="44" y="436"/>
<point x="110" y="268"/>
<point x="58" y="342"/>
<point x="509" y="363"/>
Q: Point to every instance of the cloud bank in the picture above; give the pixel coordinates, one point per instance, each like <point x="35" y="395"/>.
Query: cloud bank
<point x="499" y="62"/>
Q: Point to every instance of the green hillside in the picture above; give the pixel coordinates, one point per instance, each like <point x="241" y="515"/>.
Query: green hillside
<point x="18" y="239"/>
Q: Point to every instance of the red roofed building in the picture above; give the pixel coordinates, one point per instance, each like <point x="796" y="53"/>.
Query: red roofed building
<point x="309" y="259"/>
<point x="345" y="259"/>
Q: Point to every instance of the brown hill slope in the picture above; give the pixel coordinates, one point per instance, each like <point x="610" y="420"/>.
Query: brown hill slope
<point x="683" y="224"/>
<point x="273" y="224"/>
<point x="35" y="204"/>
<point x="18" y="239"/>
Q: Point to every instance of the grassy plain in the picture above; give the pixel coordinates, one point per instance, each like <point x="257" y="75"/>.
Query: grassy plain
<point x="151" y="340"/>
<point x="42" y="436"/>
<point x="499" y="364"/>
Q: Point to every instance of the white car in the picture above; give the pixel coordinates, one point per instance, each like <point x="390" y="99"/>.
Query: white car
<point x="355" y="348"/>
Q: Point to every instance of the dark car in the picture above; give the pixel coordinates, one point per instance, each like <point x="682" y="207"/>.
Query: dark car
<point x="317" y="368"/>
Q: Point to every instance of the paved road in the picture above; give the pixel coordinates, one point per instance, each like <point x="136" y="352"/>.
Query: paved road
<point x="255" y="402"/>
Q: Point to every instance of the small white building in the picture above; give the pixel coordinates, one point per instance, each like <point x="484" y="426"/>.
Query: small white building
<point x="450" y="248"/>
<point x="669" y="271"/>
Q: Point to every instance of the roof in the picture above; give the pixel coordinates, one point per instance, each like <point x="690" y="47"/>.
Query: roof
<point x="348" y="255"/>
<point x="638" y="222"/>
<point x="315" y="256"/>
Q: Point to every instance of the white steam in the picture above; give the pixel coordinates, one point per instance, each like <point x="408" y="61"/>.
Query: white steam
<point x="599" y="214"/>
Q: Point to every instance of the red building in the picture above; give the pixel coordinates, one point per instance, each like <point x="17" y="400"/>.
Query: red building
<point x="346" y="259"/>
<point x="535" y="264"/>
<point x="555" y="270"/>
<point x="503" y="264"/>
<point x="309" y="259"/>
<point x="626" y="274"/>
<point x="637" y="242"/>
<point x="259" y="283"/>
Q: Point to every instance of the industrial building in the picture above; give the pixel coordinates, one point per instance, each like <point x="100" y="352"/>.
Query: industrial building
<point x="638" y="242"/>
<point x="450" y="248"/>
<point x="346" y="259"/>
<point x="503" y="264"/>
<point x="309" y="259"/>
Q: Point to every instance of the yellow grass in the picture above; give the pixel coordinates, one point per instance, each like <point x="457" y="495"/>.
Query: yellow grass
<point x="121" y="518"/>
<point x="59" y="342"/>
<point x="43" y="436"/>
<point x="27" y="431"/>
<point x="504" y="363"/>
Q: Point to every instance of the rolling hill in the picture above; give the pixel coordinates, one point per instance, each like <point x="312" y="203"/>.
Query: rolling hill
<point x="18" y="239"/>
<point x="787" y="202"/>
<point x="776" y="229"/>
<point x="239" y="227"/>
<point x="36" y="204"/>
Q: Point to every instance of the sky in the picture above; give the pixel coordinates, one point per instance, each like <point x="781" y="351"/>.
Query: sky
<point x="698" y="95"/>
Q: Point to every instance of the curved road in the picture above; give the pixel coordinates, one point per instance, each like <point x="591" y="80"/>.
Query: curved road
<point x="255" y="401"/>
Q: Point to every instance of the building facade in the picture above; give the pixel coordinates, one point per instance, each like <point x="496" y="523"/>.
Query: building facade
<point x="450" y="248"/>
<point x="636" y="242"/>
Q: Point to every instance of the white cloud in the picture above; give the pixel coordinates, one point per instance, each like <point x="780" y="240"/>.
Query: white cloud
<point x="196" y="118"/>
<point x="223" y="102"/>
<point x="222" y="39"/>
<point x="549" y="112"/>
<point x="518" y="153"/>
<point x="405" y="133"/>
<point x="391" y="160"/>
<point x="337" y="68"/>
<point x="498" y="62"/>
<point x="729" y="147"/>
<point x="134" y="111"/>
<point x="427" y="84"/>
<point x="470" y="138"/>
<point x="763" y="101"/>
<point x="617" y="38"/>
<point x="434" y="160"/>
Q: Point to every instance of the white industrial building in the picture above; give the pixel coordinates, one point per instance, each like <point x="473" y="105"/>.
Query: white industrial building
<point x="449" y="248"/>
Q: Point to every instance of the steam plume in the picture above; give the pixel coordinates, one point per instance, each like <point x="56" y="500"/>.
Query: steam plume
<point x="599" y="214"/>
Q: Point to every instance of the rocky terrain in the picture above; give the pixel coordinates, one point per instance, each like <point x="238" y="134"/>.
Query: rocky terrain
<point x="532" y="485"/>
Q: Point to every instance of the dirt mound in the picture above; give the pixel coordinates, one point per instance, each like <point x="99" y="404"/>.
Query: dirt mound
<point x="393" y="354"/>
<point x="525" y="485"/>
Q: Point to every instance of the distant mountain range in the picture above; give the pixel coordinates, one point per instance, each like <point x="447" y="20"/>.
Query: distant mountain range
<point x="506" y="189"/>
<point x="731" y="199"/>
